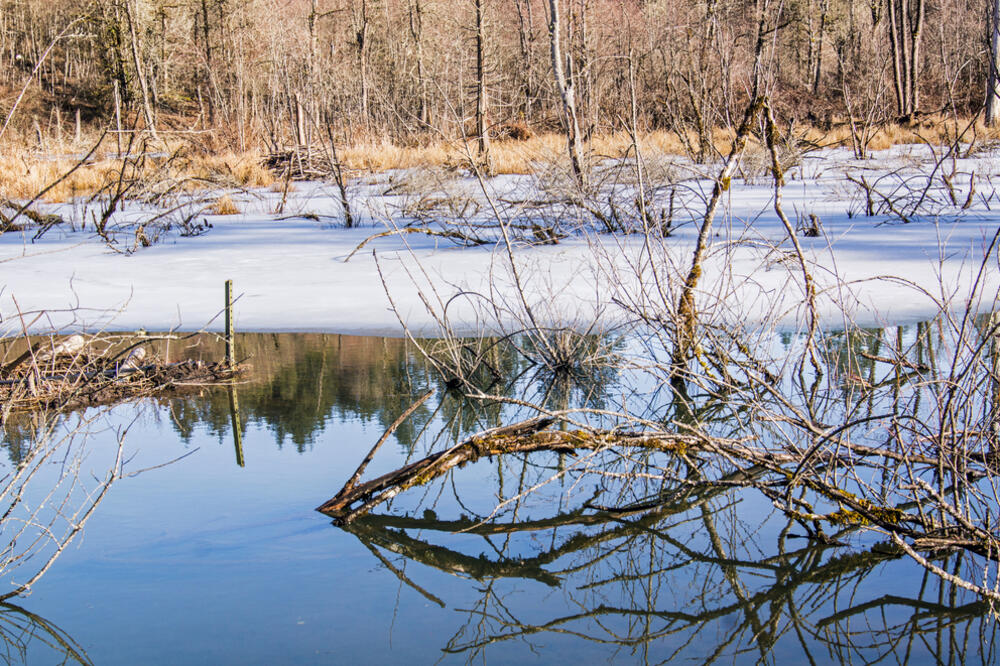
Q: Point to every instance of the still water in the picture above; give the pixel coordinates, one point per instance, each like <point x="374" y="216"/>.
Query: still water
<point x="214" y="553"/>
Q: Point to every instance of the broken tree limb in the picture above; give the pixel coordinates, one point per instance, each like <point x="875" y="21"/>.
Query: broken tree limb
<point x="391" y="429"/>
<point x="523" y="437"/>
<point x="773" y="471"/>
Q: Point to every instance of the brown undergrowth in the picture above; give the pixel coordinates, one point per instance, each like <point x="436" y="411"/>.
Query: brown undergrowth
<point x="203" y="163"/>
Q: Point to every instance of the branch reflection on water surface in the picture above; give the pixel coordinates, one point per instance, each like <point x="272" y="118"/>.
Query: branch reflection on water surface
<point x="618" y="569"/>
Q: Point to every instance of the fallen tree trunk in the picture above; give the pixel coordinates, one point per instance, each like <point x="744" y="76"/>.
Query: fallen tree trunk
<point x="357" y="499"/>
<point x="524" y="437"/>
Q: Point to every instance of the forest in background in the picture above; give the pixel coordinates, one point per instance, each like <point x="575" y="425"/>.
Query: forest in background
<point x="258" y="75"/>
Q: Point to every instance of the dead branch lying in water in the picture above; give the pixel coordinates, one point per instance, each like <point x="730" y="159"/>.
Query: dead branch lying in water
<point x="528" y="436"/>
<point x="775" y="473"/>
<point x="524" y="437"/>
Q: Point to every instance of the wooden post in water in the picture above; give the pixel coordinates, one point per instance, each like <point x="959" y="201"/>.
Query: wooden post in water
<point x="234" y="402"/>
<point x="230" y="338"/>
<point x="234" y="415"/>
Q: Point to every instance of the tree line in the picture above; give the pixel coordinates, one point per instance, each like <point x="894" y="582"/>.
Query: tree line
<point x="262" y="72"/>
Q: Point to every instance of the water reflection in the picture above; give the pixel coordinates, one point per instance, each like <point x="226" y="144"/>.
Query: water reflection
<point x="700" y="573"/>
<point x="22" y="632"/>
<point x="688" y="580"/>
<point x="691" y="572"/>
<point x="300" y="383"/>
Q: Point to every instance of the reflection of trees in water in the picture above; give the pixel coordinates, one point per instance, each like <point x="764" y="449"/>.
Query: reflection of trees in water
<point x="686" y="579"/>
<point x="21" y="431"/>
<point x="680" y="569"/>
<point x="300" y="382"/>
<point x="26" y="637"/>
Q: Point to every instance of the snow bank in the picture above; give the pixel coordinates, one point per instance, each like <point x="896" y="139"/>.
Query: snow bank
<point x="292" y="276"/>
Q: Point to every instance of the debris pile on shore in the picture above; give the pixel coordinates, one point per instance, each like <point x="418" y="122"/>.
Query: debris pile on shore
<point x="80" y="371"/>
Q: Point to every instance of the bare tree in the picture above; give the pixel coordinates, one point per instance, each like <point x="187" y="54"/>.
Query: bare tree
<point x="362" y="25"/>
<point x="905" y="30"/>
<point x="567" y="93"/>
<point x="993" y="80"/>
<point x="132" y="18"/>
<point x="482" y="94"/>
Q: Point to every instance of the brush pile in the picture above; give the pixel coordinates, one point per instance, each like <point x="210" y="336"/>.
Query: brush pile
<point x="301" y="163"/>
<point x="81" y="371"/>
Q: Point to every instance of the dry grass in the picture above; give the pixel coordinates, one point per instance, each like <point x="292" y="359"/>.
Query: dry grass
<point x="224" y="205"/>
<point x="233" y="169"/>
<point x="934" y="128"/>
<point x="24" y="173"/>
<point x="524" y="156"/>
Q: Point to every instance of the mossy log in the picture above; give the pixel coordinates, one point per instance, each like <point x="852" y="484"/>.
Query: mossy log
<point x="520" y="438"/>
<point x="774" y="472"/>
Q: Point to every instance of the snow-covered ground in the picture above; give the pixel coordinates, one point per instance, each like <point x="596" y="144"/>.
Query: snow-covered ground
<point x="292" y="274"/>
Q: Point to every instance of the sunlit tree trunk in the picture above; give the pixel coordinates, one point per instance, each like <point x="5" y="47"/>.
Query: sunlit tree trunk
<point x="993" y="80"/>
<point x="566" y="92"/>
<point x="132" y="17"/>
<point x="482" y="100"/>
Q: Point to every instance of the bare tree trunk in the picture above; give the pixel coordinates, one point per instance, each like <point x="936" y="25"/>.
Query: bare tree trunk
<point x="311" y="20"/>
<point x="208" y="59"/>
<point x="894" y="45"/>
<point x="147" y="108"/>
<point x="567" y="93"/>
<point x="113" y="50"/>
<point x="361" y="33"/>
<point x="916" y="30"/>
<point x="903" y="13"/>
<point x="905" y="29"/>
<point x="417" y="33"/>
<point x="817" y="76"/>
<point x="993" y="81"/>
<point x="338" y="176"/>
<point x="585" y="70"/>
<point x="526" y="39"/>
<point x="482" y="102"/>
<point x="685" y="345"/>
